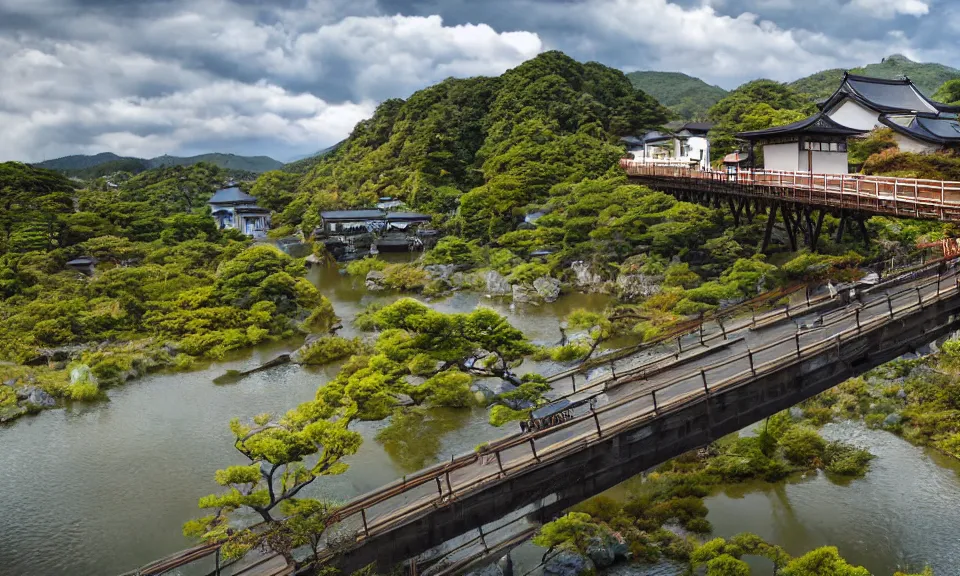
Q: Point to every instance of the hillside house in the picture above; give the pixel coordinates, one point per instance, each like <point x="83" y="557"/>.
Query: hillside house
<point x="815" y="144"/>
<point x="678" y="144"/>
<point x="234" y="208"/>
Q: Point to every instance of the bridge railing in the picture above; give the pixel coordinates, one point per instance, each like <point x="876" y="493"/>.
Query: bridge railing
<point x="413" y="496"/>
<point x="407" y="498"/>
<point x="907" y="197"/>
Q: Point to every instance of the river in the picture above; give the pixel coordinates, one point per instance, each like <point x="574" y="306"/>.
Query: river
<point x="99" y="489"/>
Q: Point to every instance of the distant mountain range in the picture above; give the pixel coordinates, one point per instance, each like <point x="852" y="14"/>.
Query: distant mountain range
<point x="688" y="97"/>
<point x="691" y="97"/>
<point x="104" y="164"/>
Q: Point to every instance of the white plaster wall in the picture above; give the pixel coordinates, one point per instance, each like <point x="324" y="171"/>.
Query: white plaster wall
<point x="827" y="162"/>
<point x="698" y="145"/>
<point x="781" y="157"/>
<point x="908" y="144"/>
<point x="853" y="115"/>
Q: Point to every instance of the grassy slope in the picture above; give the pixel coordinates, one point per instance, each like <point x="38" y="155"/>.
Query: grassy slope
<point x="688" y="97"/>
<point x="927" y="76"/>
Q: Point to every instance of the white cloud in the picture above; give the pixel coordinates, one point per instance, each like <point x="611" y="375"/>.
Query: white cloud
<point x="890" y="8"/>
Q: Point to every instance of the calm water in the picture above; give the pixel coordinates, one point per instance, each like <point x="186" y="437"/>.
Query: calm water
<point x="101" y="489"/>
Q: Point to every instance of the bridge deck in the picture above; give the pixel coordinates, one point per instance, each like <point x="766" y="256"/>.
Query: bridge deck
<point x="906" y="197"/>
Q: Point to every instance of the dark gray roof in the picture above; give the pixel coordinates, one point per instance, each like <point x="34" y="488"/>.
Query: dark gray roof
<point x="551" y="409"/>
<point x="887" y="96"/>
<point x="632" y="140"/>
<point x="701" y="127"/>
<point x="936" y="129"/>
<point x="231" y="196"/>
<point x="407" y="217"/>
<point x="819" y="123"/>
<point x="352" y="215"/>
<point x="655" y="136"/>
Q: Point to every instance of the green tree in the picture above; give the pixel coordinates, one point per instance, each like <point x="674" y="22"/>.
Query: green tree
<point x="825" y="561"/>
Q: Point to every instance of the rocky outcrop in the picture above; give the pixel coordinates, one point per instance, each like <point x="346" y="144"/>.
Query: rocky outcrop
<point x="374" y="281"/>
<point x="606" y="550"/>
<point x="525" y="294"/>
<point x="496" y="284"/>
<point x="587" y="279"/>
<point x="566" y="563"/>
<point x="632" y="286"/>
<point x="33" y="396"/>
<point x="441" y="272"/>
<point x="547" y="288"/>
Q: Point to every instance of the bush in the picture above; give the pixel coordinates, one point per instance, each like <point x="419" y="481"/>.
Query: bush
<point x="803" y="446"/>
<point x="500" y="415"/>
<point x="846" y="460"/>
<point x="527" y="273"/>
<point x="329" y="349"/>
<point x="360" y="268"/>
<point x="405" y="277"/>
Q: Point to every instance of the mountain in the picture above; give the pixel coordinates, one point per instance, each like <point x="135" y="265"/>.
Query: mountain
<point x="305" y="163"/>
<point x="106" y="163"/>
<point x="929" y="77"/>
<point x="486" y="148"/>
<point x="688" y="97"/>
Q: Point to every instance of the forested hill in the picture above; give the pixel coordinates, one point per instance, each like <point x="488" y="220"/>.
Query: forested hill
<point x="929" y="77"/>
<point x="686" y="96"/>
<point x="104" y="164"/>
<point x="492" y="146"/>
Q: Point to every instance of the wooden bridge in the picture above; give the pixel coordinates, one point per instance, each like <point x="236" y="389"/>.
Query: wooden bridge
<point x="720" y="377"/>
<point x="803" y="198"/>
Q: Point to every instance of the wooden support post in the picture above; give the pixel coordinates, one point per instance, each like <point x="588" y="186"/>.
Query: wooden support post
<point x="890" y="305"/>
<point x="439" y="486"/>
<point x="771" y="220"/>
<point x="363" y="516"/>
<point x="734" y="210"/>
<point x="573" y="381"/>
<point x="534" y="449"/>
<point x="788" y="224"/>
<point x="216" y="560"/>
<point x="499" y="462"/>
<point x="596" y="419"/>
<point x="798" y="343"/>
<point x="703" y="375"/>
<point x="613" y="372"/>
<point x="815" y="236"/>
<point x="863" y="231"/>
<point x="654" y="396"/>
<point x="858" y="320"/>
<point x="843" y="221"/>
<point x="750" y="356"/>
<point x="449" y="488"/>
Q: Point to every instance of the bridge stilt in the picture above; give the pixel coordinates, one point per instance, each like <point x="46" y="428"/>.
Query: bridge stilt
<point x="843" y="222"/>
<point x="789" y="224"/>
<point x="771" y="219"/>
<point x="817" y="229"/>
<point x="863" y="230"/>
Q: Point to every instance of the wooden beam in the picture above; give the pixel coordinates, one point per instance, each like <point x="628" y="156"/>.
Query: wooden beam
<point x="843" y="222"/>
<point x="735" y="210"/>
<point x="815" y="237"/>
<point x="771" y="220"/>
<point x="788" y="224"/>
<point x="863" y="230"/>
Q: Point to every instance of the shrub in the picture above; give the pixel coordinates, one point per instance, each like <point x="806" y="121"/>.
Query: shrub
<point x="802" y="446"/>
<point x="405" y="277"/>
<point x="500" y="415"/>
<point x="329" y="349"/>
<point x="526" y="273"/>
<point x="360" y="268"/>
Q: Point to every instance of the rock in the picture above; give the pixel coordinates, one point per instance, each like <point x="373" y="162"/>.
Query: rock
<point x="441" y="272"/>
<point x="630" y="286"/>
<point x="36" y="397"/>
<point x="566" y="563"/>
<point x="488" y="570"/>
<point x="729" y="302"/>
<point x="11" y="413"/>
<point x="796" y="413"/>
<point x="497" y="285"/>
<point x="404" y="400"/>
<point x="484" y="395"/>
<point x="524" y="294"/>
<point x="548" y="288"/>
<point x="82" y="375"/>
<point x="11" y="382"/>
<point x="585" y="278"/>
<point x="506" y="565"/>
<point x="892" y="420"/>
<point x="374" y="281"/>
<point x="605" y="550"/>
<point x="902" y="394"/>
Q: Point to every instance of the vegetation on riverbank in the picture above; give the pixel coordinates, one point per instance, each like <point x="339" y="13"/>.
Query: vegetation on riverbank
<point x="168" y="287"/>
<point x="668" y="504"/>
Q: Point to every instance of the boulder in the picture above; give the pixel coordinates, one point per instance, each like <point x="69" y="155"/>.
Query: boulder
<point x="463" y="280"/>
<point x="484" y="395"/>
<point x="374" y="281"/>
<point x="630" y="286"/>
<point x="524" y="294"/>
<point x="892" y="420"/>
<point x="607" y="549"/>
<point x="586" y="278"/>
<point x="11" y="413"/>
<point x="506" y="565"/>
<point x="497" y="285"/>
<point x="902" y="394"/>
<point x="81" y="374"/>
<point x="796" y="413"/>
<point x="404" y="400"/>
<point x="566" y="563"/>
<point x="11" y="382"/>
<point x="488" y="570"/>
<point x="729" y="302"/>
<point x="441" y="272"/>
<point x="36" y="397"/>
<point x="548" y="288"/>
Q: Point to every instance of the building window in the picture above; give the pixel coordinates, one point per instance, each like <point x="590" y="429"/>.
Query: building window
<point x="825" y="146"/>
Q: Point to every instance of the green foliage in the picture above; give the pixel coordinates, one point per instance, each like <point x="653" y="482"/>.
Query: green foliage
<point x="686" y="96"/>
<point x="949" y="93"/>
<point x="825" y="561"/>
<point x="360" y="268"/>
<point x="934" y="166"/>
<point x="571" y="532"/>
<point x="329" y="349"/>
<point x="860" y="149"/>
<point x="454" y="250"/>
<point x="754" y="106"/>
<point x="803" y="446"/>
<point x="500" y="415"/>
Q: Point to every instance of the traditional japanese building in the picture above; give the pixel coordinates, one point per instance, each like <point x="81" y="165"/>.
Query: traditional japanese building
<point x="682" y="143"/>
<point x="234" y="208"/>
<point x="919" y="123"/>
<point x="815" y="144"/>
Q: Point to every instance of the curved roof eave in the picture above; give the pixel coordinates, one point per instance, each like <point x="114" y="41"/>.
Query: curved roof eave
<point x="920" y="134"/>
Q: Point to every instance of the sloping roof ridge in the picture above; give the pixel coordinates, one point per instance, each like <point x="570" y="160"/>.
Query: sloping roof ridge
<point x="820" y="116"/>
<point x="875" y="80"/>
<point x="915" y="130"/>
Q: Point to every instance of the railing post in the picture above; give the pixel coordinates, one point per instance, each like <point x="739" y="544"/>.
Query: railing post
<point x="919" y="298"/>
<point x="499" y="462"/>
<point x="679" y="344"/>
<point x="449" y="488"/>
<point x="858" y="320"/>
<point x="890" y="305"/>
<point x="573" y="381"/>
<point x="654" y="396"/>
<point x="797" y="337"/>
<point x="596" y="419"/>
<point x="363" y="516"/>
<point x="703" y="375"/>
<point x="534" y="449"/>
<point x="750" y="356"/>
<point x="439" y="486"/>
<point x="216" y="559"/>
<point x="613" y="372"/>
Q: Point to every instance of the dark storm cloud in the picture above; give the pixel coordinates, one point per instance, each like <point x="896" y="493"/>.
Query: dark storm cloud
<point x="293" y="76"/>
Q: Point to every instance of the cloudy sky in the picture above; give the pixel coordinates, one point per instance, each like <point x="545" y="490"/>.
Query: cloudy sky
<point x="289" y="77"/>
